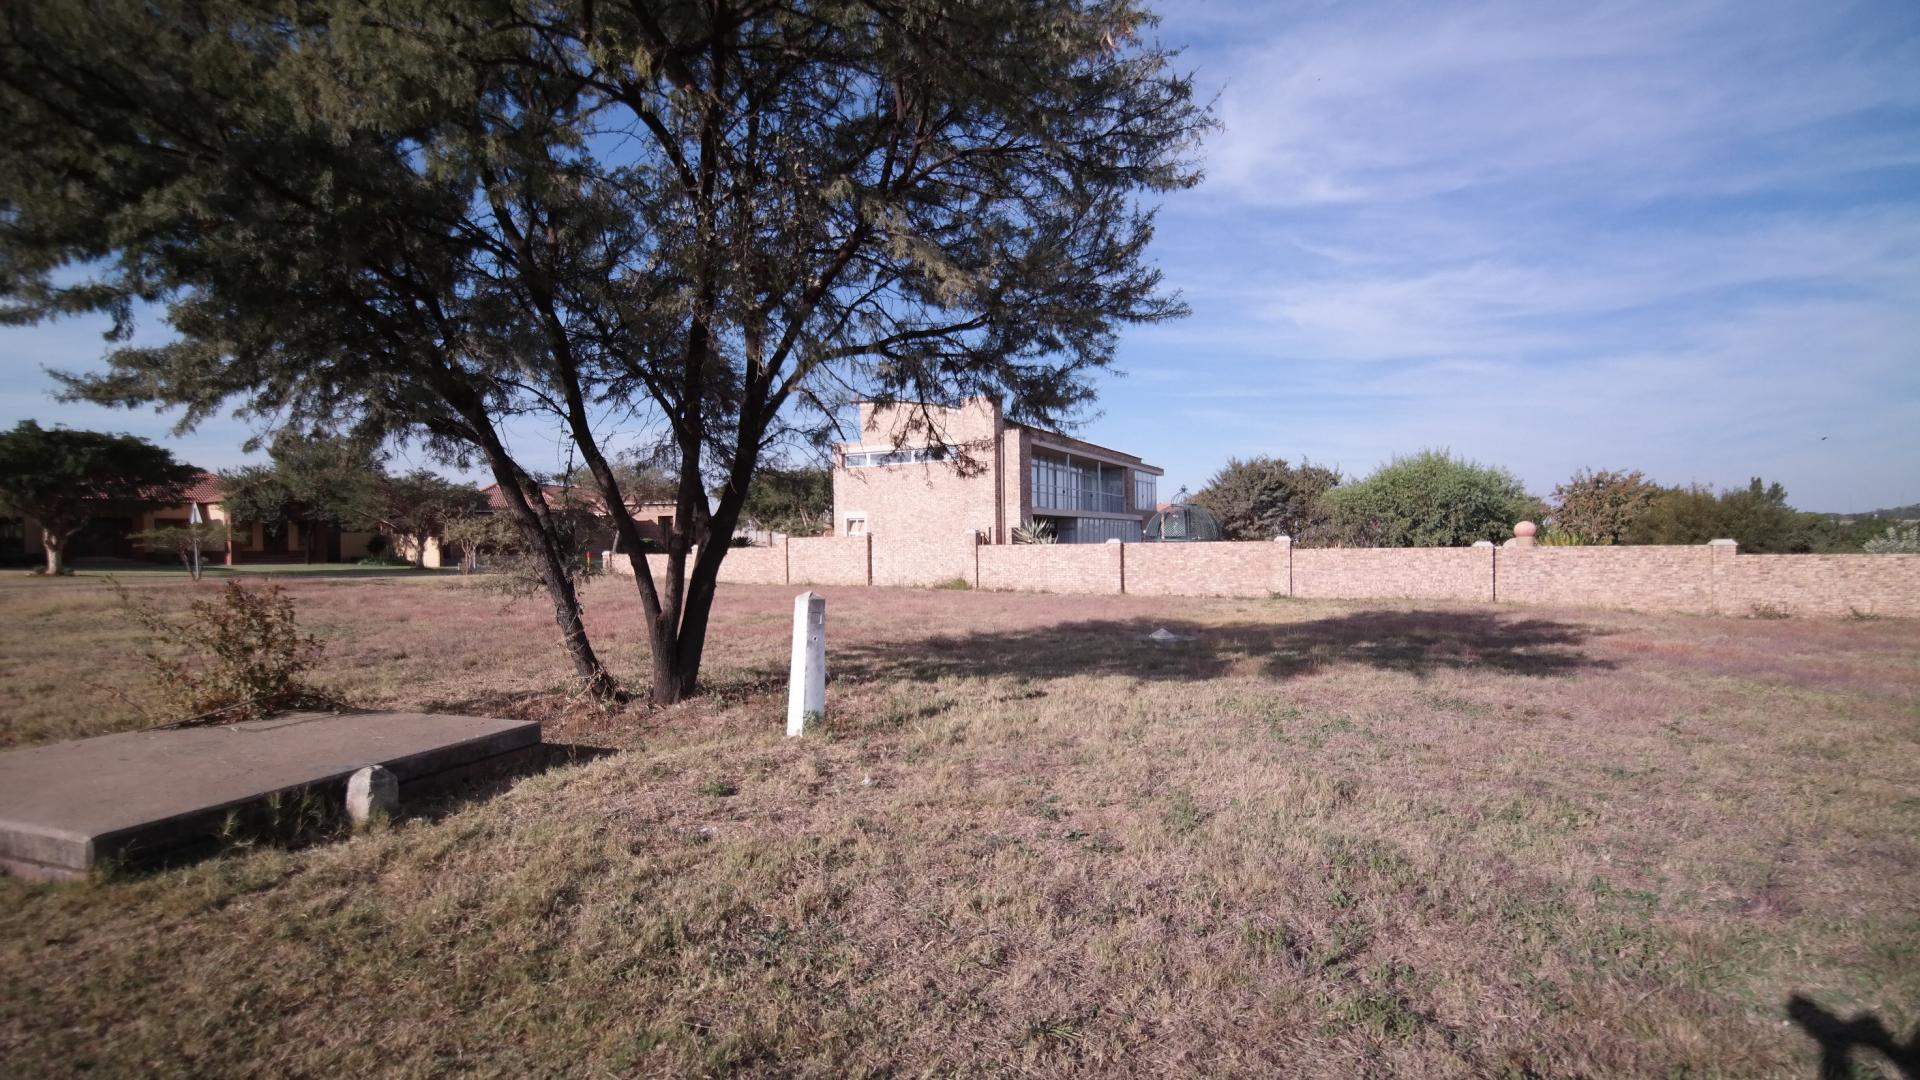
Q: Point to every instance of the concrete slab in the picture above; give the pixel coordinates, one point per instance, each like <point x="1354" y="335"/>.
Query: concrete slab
<point x="67" y="806"/>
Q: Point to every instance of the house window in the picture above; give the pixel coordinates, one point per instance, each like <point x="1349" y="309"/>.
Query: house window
<point x="856" y="524"/>
<point x="1144" y="494"/>
<point x="1079" y="530"/>
<point x="868" y="459"/>
<point x="1064" y="483"/>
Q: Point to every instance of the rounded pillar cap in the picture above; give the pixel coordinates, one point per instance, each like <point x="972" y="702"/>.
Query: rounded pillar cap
<point x="1524" y="529"/>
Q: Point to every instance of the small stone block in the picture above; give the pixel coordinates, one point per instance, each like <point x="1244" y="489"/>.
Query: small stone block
<point x="372" y="790"/>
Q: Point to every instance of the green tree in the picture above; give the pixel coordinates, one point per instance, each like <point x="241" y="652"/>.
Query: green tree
<point x="1602" y="507"/>
<point x="184" y="542"/>
<point x="495" y="542"/>
<point x="1895" y="541"/>
<point x="60" y="478"/>
<point x="795" y="501"/>
<point x="720" y="220"/>
<point x="1264" y="497"/>
<point x="421" y="504"/>
<point x="1430" y="499"/>
<point x="319" y="481"/>
<point x="1757" y="516"/>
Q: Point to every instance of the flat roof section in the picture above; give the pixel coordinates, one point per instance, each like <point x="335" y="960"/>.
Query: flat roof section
<point x="66" y="807"/>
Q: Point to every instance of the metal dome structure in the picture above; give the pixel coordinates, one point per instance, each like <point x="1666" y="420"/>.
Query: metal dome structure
<point x="1182" y="522"/>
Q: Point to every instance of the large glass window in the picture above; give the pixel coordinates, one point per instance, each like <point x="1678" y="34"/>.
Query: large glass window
<point x="1063" y="483"/>
<point x="1144" y="495"/>
<point x="913" y="455"/>
<point x="1079" y="530"/>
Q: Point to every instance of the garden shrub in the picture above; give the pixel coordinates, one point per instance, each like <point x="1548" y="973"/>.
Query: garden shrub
<point x="237" y="656"/>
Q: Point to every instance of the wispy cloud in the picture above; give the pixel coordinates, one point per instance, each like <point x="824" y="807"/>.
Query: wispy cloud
<point x="1681" y="237"/>
<point x="1677" y="236"/>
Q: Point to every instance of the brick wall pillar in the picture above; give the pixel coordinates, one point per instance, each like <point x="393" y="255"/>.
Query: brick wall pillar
<point x="1283" y="570"/>
<point x="970" y="557"/>
<point x="867" y="553"/>
<point x="1493" y="569"/>
<point x="1720" y="556"/>
<point x="1119" y="550"/>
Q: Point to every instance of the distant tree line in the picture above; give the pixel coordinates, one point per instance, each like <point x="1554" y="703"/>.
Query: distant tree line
<point x="1434" y="499"/>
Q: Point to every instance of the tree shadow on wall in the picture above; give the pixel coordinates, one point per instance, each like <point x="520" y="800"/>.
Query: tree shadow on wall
<point x="1839" y="1039"/>
<point x="1417" y="643"/>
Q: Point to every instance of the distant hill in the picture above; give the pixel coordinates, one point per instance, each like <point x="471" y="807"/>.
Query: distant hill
<point x="1909" y="512"/>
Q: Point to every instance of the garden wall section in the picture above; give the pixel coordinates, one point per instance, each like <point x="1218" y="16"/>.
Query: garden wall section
<point x="1706" y="578"/>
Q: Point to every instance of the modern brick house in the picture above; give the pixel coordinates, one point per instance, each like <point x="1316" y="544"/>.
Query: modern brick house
<point x="922" y="472"/>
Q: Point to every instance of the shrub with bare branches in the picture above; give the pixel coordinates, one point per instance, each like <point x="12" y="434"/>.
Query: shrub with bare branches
<point x="237" y="656"/>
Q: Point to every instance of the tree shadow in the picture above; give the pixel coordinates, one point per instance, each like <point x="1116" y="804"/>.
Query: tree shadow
<point x="315" y="814"/>
<point x="1839" y="1039"/>
<point x="452" y="792"/>
<point x="1416" y="643"/>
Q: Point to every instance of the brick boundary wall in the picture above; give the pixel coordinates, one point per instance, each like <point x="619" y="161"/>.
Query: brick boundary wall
<point x="1053" y="568"/>
<point x="830" y="560"/>
<point x="1205" y="569"/>
<point x="1822" y="585"/>
<point x="929" y="562"/>
<point x="756" y="566"/>
<point x="1393" y="573"/>
<point x="1678" y="578"/>
<point x="1708" y="578"/>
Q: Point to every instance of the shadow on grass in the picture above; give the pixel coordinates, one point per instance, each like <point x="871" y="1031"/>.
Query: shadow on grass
<point x="1839" y="1039"/>
<point x="306" y="817"/>
<point x="139" y="571"/>
<point x="1417" y="643"/>
<point x="443" y="796"/>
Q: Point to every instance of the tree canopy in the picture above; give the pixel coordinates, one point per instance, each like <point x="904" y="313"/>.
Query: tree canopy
<point x="797" y="501"/>
<point x="61" y="477"/>
<point x="320" y="481"/>
<point x="714" y="223"/>
<point x="1757" y="516"/>
<point x="1430" y="499"/>
<point x="1602" y="507"/>
<point x="421" y="504"/>
<point x="1264" y="497"/>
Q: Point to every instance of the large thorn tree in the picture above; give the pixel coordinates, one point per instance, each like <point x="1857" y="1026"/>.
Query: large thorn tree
<point x="692" y="229"/>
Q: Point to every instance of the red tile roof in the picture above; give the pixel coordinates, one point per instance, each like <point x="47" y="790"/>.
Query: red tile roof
<point x="204" y="489"/>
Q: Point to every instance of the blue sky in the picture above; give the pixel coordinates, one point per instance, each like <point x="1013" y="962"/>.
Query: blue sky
<point x="1679" y="237"/>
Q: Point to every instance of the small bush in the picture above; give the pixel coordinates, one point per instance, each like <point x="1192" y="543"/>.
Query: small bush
<point x="958" y="584"/>
<point x="236" y="657"/>
<point x="383" y="558"/>
<point x="1034" y="531"/>
<point x="1556" y="536"/>
<point x="1897" y="541"/>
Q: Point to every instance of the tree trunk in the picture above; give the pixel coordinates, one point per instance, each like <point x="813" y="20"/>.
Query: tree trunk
<point x="598" y="682"/>
<point x="55" y="547"/>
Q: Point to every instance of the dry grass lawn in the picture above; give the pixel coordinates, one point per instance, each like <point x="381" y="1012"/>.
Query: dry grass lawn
<point x="1311" y="839"/>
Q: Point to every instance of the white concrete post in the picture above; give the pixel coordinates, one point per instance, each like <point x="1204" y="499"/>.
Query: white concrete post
<point x="807" y="683"/>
